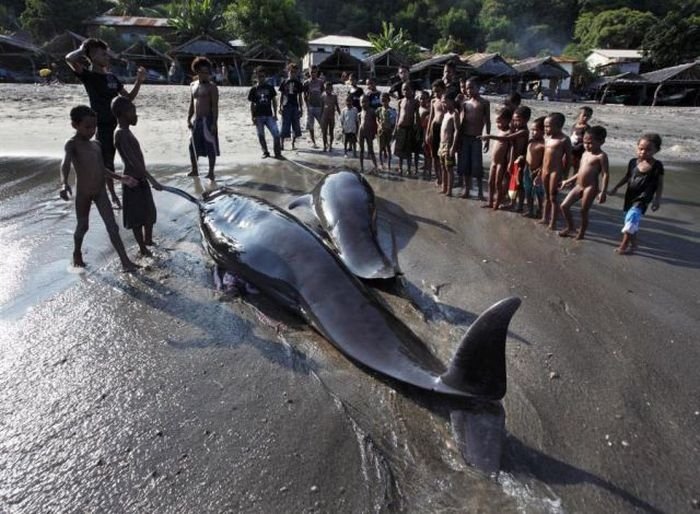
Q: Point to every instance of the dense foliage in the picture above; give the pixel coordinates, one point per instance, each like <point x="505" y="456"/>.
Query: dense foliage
<point x="667" y="31"/>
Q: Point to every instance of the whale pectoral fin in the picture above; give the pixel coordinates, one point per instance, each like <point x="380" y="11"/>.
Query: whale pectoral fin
<point x="303" y="200"/>
<point x="479" y="364"/>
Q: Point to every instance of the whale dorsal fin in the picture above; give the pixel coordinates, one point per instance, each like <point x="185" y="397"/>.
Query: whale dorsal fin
<point x="304" y="201"/>
<point x="479" y="364"/>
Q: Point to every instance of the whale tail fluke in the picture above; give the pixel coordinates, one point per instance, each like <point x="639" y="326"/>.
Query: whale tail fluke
<point x="479" y="364"/>
<point x="183" y="194"/>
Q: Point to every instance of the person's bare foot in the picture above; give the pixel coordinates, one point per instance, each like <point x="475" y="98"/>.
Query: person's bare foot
<point x="552" y="227"/>
<point x="129" y="266"/>
<point x="193" y="173"/>
<point x="542" y="221"/>
<point x="623" y="250"/>
<point x="210" y="176"/>
<point x="488" y="205"/>
<point x="145" y="252"/>
<point x="579" y="235"/>
<point x="465" y="195"/>
<point x="78" y="261"/>
<point x="481" y="198"/>
<point x="565" y="233"/>
<point x="149" y="242"/>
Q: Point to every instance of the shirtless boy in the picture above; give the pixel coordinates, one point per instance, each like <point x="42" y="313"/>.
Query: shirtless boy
<point x="102" y="87"/>
<point x="386" y="121"/>
<point x="532" y="174"/>
<point x="475" y="117"/>
<point x="204" y="106"/>
<point x="594" y="166"/>
<point x="518" y="138"/>
<point x="448" y="138"/>
<point x="406" y="127"/>
<point x="556" y="162"/>
<point x="367" y="132"/>
<point x="432" y="134"/>
<point x="579" y="129"/>
<point x="330" y="107"/>
<point x="86" y="157"/>
<point x="139" y="209"/>
<point x="500" y="152"/>
<point x="422" y="146"/>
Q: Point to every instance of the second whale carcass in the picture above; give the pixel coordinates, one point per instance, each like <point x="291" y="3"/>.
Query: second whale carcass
<point x="345" y="206"/>
<point x="287" y="261"/>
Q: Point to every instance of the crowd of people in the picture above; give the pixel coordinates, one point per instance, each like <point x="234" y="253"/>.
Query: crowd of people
<point x="447" y="129"/>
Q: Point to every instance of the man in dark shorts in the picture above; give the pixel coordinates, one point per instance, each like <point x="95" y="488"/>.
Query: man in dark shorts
<point x="90" y="63"/>
<point x="313" y="91"/>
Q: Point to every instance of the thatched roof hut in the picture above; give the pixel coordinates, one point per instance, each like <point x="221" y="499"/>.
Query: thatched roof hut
<point x="270" y="58"/>
<point x="19" y="59"/>
<point x="383" y="65"/>
<point x="431" y="69"/>
<point x="490" y="66"/>
<point x="156" y="63"/>
<point x="681" y="82"/>
<point x="219" y="52"/>
<point x="339" y="62"/>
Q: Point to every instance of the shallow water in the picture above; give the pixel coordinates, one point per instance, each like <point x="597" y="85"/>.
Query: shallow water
<point x="154" y="391"/>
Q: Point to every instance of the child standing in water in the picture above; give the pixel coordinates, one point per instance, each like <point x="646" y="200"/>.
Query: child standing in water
<point x="386" y="120"/>
<point x="139" y="209"/>
<point x="367" y="132"/>
<point x="204" y="106"/>
<point x="645" y="184"/>
<point x="348" y="120"/>
<point x="556" y="163"/>
<point x="448" y="137"/>
<point x="594" y="166"/>
<point x="86" y="157"/>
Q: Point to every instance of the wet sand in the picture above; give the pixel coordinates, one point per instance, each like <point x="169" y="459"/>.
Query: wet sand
<point x="153" y="391"/>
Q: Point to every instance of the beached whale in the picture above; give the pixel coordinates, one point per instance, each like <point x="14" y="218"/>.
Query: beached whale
<point x="343" y="202"/>
<point x="287" y="261"/>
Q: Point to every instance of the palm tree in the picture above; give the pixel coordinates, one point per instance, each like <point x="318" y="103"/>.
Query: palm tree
<point x="134" y="8"/>
<point x="397" y="40"/>
<point x="192" y="18"/>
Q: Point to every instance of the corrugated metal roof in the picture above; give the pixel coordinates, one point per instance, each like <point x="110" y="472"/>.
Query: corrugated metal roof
<point x="613" y="53"/>
<point x="388" y="52"/>
<point x="130" y="21"/>
<point x="440" y="60"/>
<point x="334" y="41"/>
<point x="490" y="64"/>
<point x="542" y="67"/>
<point x="7" y="42"/>
<point x="628" y="78"/>
<point x="688" y="72"/>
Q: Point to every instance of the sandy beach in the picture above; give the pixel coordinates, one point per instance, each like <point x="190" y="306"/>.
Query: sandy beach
<point x="154" y="391"/>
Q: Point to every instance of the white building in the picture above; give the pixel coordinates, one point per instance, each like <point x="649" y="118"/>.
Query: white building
<point x="604" y="61"/>
<point x="321" y="48"/>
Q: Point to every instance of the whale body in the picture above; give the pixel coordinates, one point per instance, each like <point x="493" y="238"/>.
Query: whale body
<point x="287" y="261"/>
<point x="344" y="204"/>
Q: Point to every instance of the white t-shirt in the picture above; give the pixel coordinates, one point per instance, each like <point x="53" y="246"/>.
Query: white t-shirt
<point x="348" y="120"/>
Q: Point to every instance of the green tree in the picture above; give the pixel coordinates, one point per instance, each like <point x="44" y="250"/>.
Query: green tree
<point x="448" y="45"/>
<point x="619" y="28"/>
<point x="676" y="38"/>
<point x="134" y="8"/>
<point x="273" y="22"/>
<point x="458" y="25"/>
<point x="158" y="43"/>
<point x="192" y="18"/>
<point x="398" y="40"/>
<point x="47" y="18"/>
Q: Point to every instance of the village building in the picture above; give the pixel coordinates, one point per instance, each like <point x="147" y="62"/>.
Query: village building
<point x="432" y="69"/>
<point x="219" y="53"/>
<point x="130" y="28"/>
<point x="156" y="63"/>
<point x="382" y="66"/>
<point x="494" y="72"/>
<point x="19" y="60"/>
<point x="608" y="61"/>
<point x="320" y="49"/>
<point x="541" y="75"/>
<point x="675" y="85"/>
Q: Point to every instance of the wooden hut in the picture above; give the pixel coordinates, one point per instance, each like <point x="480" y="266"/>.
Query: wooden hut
<point x="156" y="63"/>
<point x="625" y="88"/>
<point x="19" y="60"/>
<point x="339" y="62"/>
<point x="382" y="66"/>
<point x="540" y="72"/>
<point x="432" y="69"/>
<point x="219" y="52"/>
<point x="680" y="84"/>
<point x="270" y="58"/>
<point x="493" y="70"/>
<point x="63" y="44"/>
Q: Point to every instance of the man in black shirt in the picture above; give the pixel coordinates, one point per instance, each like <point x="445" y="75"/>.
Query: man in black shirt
<point x="263" y="109"/>
<point x="404" y="76"/>
<point x="290" y="105"/>
<point x="355" y="92"/>
<point x="90" y="63"/>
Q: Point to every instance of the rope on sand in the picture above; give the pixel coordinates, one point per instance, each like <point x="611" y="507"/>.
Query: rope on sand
<point x="304" y="166"/>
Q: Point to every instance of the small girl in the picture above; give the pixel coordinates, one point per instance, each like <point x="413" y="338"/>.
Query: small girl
<point x="348" y="120"/>
<point x="645" y="180"/>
